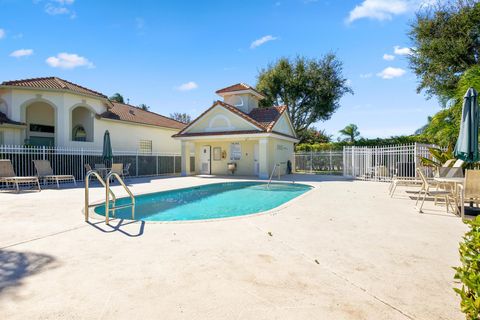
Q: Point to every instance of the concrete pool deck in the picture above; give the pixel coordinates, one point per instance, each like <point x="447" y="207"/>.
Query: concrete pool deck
<point x="344" y="250"/>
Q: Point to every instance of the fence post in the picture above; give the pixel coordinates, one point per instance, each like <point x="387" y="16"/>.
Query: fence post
<point x="136" y="164"/>
<point x="43" y="153"/>
<point x="330" y="167"/>
<point x="353" y="161"/>
<point x="156" y="162"/>
<point x="415" y="160"/>
<point x="83" y="164"/>
<point x="311" y="161"/>
<point x="174" y="160"/>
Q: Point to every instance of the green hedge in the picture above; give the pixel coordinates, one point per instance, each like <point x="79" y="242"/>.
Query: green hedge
<point x="469" y="272"/>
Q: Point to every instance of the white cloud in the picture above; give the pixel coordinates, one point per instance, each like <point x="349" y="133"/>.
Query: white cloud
<point x="391" y="72"/>
<point x="388" y="57"/>
<point x="378" y="9"/>
<point x="69" y="61"/>
<point x="21" y="53"/>
<point x="402" y="51"/>
<point x="262" y="40"/>
<point x="60" y="7"/>
<point x="2" y="33"/>
<point x="187" y="86"/>
<point x="366" y="75"/>
<point x="385" y="9"/>
<point x="64" y="2"/>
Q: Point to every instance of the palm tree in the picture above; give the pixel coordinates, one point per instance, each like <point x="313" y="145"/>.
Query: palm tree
<point x="351" y="132"/>
<point x="117" y="97"/>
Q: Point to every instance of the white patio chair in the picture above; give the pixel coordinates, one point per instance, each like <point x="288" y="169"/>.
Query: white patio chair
<point x="425" y="190"/>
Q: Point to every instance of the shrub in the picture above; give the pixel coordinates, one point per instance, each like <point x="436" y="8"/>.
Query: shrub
<point x="469" y="272"/>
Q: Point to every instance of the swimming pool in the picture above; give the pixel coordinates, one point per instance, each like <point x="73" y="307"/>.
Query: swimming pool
<point x="211" y="201"/>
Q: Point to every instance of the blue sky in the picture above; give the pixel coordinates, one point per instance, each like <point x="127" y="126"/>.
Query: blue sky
<point x="173" y="55"/>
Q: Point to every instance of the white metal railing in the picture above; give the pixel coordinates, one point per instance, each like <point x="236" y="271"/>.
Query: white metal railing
<point x="72" y="161"/>
<point x="319" y="162"/>
<point x="382" y="163"/>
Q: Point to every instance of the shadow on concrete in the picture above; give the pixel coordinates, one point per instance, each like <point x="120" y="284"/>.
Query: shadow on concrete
<point x="112" y="227"/>
<point x="15" y="266"/>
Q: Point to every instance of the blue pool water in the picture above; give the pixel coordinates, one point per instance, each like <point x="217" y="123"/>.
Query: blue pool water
<point x="218" y="200"/>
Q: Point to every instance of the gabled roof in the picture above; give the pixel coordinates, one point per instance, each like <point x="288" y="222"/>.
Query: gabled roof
<point x="263" y="118"/>
<point x="126" y="112"/>
<point x="53" y="83"/>
<point x="238" y="87"/>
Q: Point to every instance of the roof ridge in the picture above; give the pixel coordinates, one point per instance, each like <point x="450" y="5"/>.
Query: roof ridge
<point x="60" y="82"/>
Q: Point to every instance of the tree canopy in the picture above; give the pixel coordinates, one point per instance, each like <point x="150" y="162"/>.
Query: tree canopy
<point x="313" y="135"/>
<point x="311" y="88"/>
<point x="143" y="106"/>
<point x="182" y="117"/>
<point x="444" y="126"/>
<point x="446" y="42"/>
<point x="117" y="97"/>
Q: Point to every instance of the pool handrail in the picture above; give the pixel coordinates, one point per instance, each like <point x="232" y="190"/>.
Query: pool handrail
<point x="277" y="165"/>
<point x="87" y="191"/>
<point x="107" y="198"/>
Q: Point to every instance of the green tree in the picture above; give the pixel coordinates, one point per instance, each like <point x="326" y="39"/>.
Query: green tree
<point x="446" y="41"/>
<point x="444" y="126"/>
<point x="181" y="117"/>
<point x="312" y="136"/>
<point x="311" y="88"/>
<point x="143" y="106"/>
<point x="350" y="132"/>
<point x="117" y="97"/>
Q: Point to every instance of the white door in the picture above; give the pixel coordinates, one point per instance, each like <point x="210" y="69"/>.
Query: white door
<point x="256" y="164"/>
<point x="205" y="160"/>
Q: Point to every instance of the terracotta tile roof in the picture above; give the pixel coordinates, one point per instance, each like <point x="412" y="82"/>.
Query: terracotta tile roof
<point x="126" y="112"/>
<point x="267" y="117"/>
<point x="263" y="118"/>
<point x="53" y="83"/>
<point x="237" y="87"/>
<point x="6" y="120"/>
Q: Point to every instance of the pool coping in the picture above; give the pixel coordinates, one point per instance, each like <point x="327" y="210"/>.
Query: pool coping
<point x="95" y="216"/>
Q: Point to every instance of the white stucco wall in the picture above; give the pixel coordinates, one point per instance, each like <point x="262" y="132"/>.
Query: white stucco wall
<point x="125" y="136"/>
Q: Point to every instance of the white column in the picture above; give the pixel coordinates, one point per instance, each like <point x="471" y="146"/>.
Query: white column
<point x="185" y="158"/>
<point x="263" y="158"/>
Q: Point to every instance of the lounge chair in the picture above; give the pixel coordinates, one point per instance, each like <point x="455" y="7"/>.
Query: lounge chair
<point x="126" y="170"/>
<point x="117" y="168"/>
<point x="45" y="172"/>
<point x="425" y="190"/>
<point x="8" y="175"/>
<point x="470" y="191"/>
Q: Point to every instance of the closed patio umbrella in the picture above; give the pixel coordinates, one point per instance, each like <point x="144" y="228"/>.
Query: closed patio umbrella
<point x="107" y="153"/>
<point x="467" y="143"/>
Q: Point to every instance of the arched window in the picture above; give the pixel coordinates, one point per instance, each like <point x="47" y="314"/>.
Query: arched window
<point x="82" y="124"/>
<point x="79" y="133"/>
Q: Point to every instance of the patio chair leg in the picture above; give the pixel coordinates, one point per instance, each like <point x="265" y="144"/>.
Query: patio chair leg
<point x="393" y="190"/>
<point x="419" y="194"/>
<point x="58" y="185"/>
<point x="74" y="182"/>
<point x="18" y="188"/>
<point x="423" y="201"/>
<point x="38" y="185"/>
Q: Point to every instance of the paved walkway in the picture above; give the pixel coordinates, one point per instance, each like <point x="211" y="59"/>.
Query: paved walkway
<point x="345" y="250"/>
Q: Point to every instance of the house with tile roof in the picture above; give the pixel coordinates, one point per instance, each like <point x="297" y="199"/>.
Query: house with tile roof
<point x="237" y="136"/>
<point x="55" y="112"/>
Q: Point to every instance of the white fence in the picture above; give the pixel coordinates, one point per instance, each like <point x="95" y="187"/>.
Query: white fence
<point x="72" y="161"/>
<point x="321" y="162"/>
<point x="382" y="163"/>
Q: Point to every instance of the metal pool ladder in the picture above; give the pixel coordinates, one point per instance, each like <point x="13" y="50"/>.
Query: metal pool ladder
<point x="108" y="193"/>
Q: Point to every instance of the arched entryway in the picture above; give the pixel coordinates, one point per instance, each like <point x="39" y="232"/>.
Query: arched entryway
<point x="40" y="119"/>
<point x="82" y="124"/>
